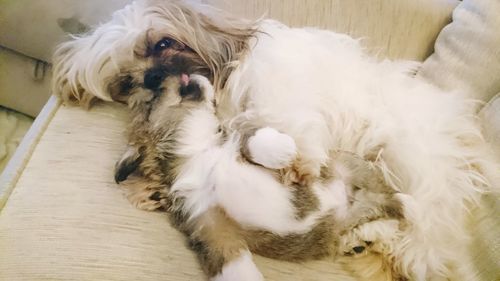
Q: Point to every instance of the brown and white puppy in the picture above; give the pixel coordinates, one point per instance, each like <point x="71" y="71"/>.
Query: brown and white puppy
<point x="229" y="207"/>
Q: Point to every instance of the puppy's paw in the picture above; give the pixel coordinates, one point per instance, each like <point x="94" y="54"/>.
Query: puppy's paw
<point x="352" y="244"/>
<point x="204" y="84"/>
<point x="299" y="172"/>
<point x="148" y="199"/>
<point x="375" y="236"/>
<point x="272" y="149"/>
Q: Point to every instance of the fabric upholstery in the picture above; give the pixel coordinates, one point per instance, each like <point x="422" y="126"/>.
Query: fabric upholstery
<point x="24" y="82"/>
<point x="467" y="55"/>
<point x="389" y="28"/>
<point x="13" y="126"/>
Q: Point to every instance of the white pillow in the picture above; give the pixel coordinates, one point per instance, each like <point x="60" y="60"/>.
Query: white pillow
<point x="467" y="51"/>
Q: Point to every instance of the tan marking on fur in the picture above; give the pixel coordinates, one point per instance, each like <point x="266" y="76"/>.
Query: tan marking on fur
<point x="321" y="241"/>
<point x="300" y="172"/>
<point x="245" y="136"/>
<point x="304" y="201"/>
<point x="217" y="240"/>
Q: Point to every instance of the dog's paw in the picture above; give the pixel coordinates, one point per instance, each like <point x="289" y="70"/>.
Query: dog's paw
<point x="149" y="199"/>
<point x="375" y="236"/>
<point x="298" y="173"/>
<point x="204" y="84"/>
<point x="272" y="149"/>
<point x="352" y="243"/>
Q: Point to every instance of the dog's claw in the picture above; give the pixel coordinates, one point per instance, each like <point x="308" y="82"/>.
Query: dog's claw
<point x="358" y="249"/>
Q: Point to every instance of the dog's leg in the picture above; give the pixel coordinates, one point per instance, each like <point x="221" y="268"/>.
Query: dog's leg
<point x="376" y="213"/>
<point x="221" y="249"/>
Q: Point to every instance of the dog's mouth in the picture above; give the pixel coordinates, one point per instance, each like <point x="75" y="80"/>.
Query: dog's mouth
<point x="185" y="80"/>
<point x="189" y="88"/>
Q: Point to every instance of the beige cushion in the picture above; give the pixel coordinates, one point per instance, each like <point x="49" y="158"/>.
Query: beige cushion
<point x="467" y="55"/>
<point x="33" y="27"/>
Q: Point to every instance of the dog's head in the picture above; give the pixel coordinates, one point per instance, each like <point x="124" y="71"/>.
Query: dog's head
<point x="178" y="114"/>
<point x="139" y="46"/>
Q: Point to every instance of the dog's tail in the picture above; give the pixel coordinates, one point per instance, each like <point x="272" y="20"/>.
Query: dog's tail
<point x="370" y="267"/>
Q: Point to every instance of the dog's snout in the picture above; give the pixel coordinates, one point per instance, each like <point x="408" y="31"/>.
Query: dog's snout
<point x="153" y="79"/>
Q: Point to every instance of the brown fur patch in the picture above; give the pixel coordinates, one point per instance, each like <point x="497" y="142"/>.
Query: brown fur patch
<point x="304" y="200"/>
<point x="217" y="240"/>
<point x="321" y="241"/>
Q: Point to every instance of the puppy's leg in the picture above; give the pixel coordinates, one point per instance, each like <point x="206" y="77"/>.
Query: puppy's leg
<point x="221" y="249"/>
<point x="376" y="213"/>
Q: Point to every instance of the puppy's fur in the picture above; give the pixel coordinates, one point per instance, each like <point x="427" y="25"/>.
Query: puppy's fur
<point x="228" y="207"/>
<point x="319" y="88"/>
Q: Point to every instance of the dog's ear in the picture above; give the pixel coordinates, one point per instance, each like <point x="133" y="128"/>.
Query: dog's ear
<point x="128" y="164"/>
<point x="66" y="73"/>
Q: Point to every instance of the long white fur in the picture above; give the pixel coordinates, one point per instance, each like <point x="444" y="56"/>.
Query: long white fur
<point x="319" y="87"/>
<point x="332" y="96"/>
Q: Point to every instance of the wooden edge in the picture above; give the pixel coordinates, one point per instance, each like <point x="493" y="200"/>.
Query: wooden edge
<point x="17" y="163"/>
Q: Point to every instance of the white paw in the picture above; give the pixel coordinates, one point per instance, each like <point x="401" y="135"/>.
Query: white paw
<point x="205" y="85"/>
<point x="241" y="269"/>
<point x="272" y="149"/>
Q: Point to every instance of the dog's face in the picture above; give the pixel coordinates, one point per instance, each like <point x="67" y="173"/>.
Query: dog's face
<point x="162" y="117"/>
<point x="156" y="57"/>
<point x="144" y="43"/>
<point x="168" y="103"/>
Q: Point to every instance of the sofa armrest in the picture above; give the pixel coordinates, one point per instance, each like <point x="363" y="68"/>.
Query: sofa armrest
<point x="24" y="82"/>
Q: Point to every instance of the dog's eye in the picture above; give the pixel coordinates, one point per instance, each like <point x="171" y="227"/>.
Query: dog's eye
<point x="163" y="44"/>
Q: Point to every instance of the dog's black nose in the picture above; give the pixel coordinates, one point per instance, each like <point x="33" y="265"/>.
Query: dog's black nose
<point x="153" y="79"/>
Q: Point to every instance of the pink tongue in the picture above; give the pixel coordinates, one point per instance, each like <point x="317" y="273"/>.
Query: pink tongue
<point x="184" y="79"/>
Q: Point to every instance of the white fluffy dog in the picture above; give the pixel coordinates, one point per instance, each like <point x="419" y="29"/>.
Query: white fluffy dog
<point x="320" y="88"/>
